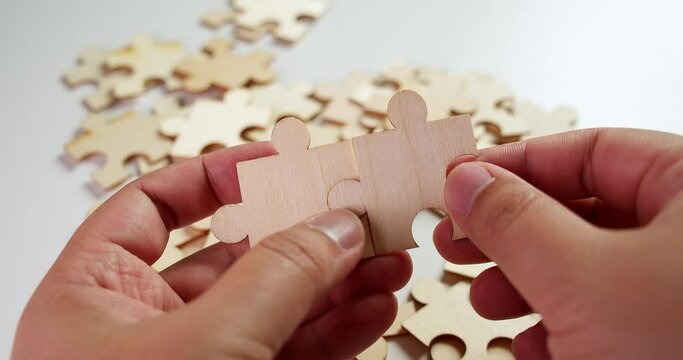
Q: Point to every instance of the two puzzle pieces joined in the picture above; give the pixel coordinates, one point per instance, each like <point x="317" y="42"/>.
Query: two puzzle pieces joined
<point x="386" y="177"/>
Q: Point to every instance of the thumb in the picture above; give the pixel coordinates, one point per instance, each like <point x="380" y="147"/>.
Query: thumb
<point x="256" y="306"/>
<point x="537" y="242"/>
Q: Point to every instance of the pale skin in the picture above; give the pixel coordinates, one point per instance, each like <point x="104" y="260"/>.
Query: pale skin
<point x="585" y="226"/>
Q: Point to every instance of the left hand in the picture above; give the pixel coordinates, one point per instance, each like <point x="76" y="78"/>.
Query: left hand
<point x="101" y="298"/>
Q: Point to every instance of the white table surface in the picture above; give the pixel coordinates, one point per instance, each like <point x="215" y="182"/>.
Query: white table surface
<point x="618" y="62"/>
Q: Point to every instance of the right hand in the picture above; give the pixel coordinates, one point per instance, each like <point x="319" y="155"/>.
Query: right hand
<point x="586" y="228"/>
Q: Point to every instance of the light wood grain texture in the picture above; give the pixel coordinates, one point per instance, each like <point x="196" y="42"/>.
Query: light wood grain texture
<point x="118" y="140"/>
<point x="282" y="190"/>
<point x="321" y="134"/>
<point x="222" y="68"/>
<point x="148" y="62"/>
<point x="447" y="348"/>
<point x="284" y="15"/>
<point x="449" y="312"/>
<point x="403" y="171"/>
<point x="212" y="122"/>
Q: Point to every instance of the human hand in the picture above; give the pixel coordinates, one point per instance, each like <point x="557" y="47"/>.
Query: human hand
<point x="295" y="295"/>
<point x="586" y="230"/>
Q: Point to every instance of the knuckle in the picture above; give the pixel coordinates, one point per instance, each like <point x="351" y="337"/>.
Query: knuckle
<point x="500" y="209"/>
<point x="301" y="250"/>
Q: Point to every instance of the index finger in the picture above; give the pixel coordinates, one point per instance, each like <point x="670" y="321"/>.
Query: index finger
<point x="634" y="171"/>
<point x="141" y="215"/>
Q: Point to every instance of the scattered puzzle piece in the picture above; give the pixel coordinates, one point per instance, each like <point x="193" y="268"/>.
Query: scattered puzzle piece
<point x="281" y="190"/>
<point x="223" y="68"/>
<point x="213" y="122"/>
<point x="488" y="101"/>
<point x="148" y="61"/>
<point x="405" y="312"/>
<point x="172" y="253"/>
<point x="282" y="17"/>
<point x="216" y="18"/>
<point x="91" y="70"/>
<point x="118" y="140"/>
<point x="449" y="312"/>
<point x="284" y="101"/>
<point x="376" y="351"/>
<point x="339" y="108"/>
<point x="542" y="122"/>
<point x="402" y="171"/>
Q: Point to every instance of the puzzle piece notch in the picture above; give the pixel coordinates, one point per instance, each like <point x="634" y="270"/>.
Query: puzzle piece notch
<point x="118" y="140"/>
<point x="297" y="180"/>
<point x="281" y="17"/>
<point x="148" y="62"/>
<point x="222" y="68"/>
<point x="449" y="312"/>
<point x="212" y="122"/>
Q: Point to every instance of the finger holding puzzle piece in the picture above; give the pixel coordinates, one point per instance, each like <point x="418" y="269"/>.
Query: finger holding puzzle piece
<point x="388" y="177"/>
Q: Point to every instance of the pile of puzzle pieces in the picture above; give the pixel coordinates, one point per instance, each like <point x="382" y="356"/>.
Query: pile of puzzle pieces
<point x="219" y="97"/>
<point x="439" y="315"/>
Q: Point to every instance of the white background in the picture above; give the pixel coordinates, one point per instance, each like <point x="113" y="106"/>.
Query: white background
<point x="617" y="62"/>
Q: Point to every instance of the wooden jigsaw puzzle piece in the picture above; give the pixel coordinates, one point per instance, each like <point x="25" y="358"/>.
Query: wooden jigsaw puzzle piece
<point x="451" y="313"/>
<point x="212" y="122"/>
<point x="389" y="190"/>
<point x="542" y="122"/>
<point x="281" y="190"/>
<point x="433" y="145"/>
<point x="217" y="18"/>
<point x="148" y="61"/>
<point x="292" y="100"/>
<point x="339" y="107"/>
<point x="223" y="68"/>
<point x="284" y="15"/>
<point x="90" y="68"/>
<point x="118" y="140"/>
<point x="348" y="194"/>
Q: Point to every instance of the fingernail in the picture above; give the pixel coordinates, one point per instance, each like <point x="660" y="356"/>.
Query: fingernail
<point x="340" y="225"/>
<point x="462" y="186"/>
